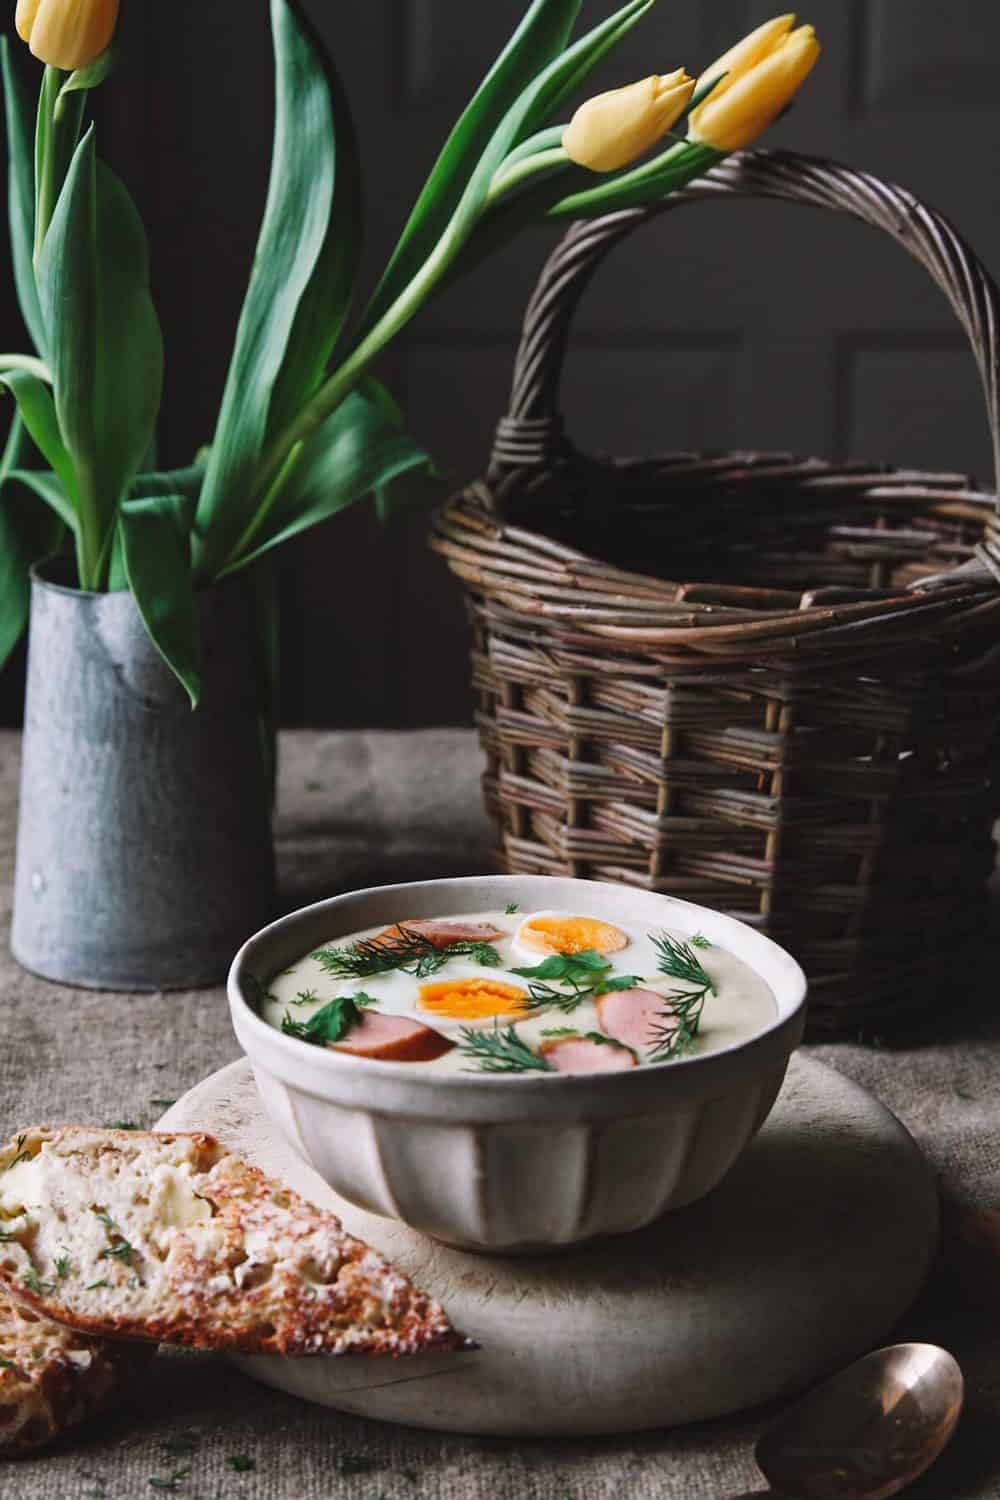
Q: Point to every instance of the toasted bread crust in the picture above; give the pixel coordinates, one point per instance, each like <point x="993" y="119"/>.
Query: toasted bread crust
<point x="176" y="1241"/>
<point x="52" y="1378"/>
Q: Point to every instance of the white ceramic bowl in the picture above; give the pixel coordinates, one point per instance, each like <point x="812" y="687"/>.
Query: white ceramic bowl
<point x="524" y="1162"/>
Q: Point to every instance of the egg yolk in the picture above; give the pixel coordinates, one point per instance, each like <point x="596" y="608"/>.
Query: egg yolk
<point x="571" y="935"/>
<point x="472" y="999"/>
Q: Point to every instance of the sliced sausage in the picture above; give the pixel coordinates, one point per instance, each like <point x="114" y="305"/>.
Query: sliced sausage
<point x="440" y="933"/>
<point x="579" y="1054"/>
<point x="631" y="1016"/>
<point x="392" y="1039"/>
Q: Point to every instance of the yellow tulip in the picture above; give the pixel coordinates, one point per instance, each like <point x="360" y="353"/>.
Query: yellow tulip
<point x="613" y="129"/>
<point x="763" y="72"/>
<point x="67" y="34"/>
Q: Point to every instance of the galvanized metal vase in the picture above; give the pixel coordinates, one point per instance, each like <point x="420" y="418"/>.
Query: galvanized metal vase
<point x="144" y="851"/>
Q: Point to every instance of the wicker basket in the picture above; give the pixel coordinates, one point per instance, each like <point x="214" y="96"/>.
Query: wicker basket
<point x="799" y="725"/>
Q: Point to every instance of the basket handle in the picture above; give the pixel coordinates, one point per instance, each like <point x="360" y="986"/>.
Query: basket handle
<point x="530" y="436"/>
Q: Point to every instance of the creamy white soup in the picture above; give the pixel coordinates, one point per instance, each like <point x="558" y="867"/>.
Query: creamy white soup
<point x="506" y="993"/>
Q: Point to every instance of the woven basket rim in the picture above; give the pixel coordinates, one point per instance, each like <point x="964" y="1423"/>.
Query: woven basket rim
<point x="531" y="572"/>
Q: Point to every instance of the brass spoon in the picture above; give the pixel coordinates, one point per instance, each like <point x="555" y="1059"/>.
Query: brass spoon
<point x="869" y="1431"/>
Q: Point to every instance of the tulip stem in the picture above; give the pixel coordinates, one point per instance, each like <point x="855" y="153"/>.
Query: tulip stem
<point x="506" y="178"/>
<point x="56" y="136"/>
<point x="27" y="362"/>
<point x="45" y="162"/>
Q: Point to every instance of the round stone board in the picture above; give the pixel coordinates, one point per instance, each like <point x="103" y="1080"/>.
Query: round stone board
<point x="804" y="1257"/>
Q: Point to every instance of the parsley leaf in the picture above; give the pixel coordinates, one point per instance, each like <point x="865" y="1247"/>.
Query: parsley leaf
<point x="331" y="1022"/>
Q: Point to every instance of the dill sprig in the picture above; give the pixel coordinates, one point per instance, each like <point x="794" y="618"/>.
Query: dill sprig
<point x="680" y="961"/>
<point x="500" y="1051"/>
<point x="33" y="1282"/>
<point x="405" y="950"/>
<point x="21" y="1154"/>
<point x="119" y="1249"/>
<point x="331" y="1022"/>
<point x="678" y="1023"/>
<point x="586" y="974"/>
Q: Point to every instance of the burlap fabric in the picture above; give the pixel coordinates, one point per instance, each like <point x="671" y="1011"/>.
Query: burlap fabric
<point x="360" y="809"/>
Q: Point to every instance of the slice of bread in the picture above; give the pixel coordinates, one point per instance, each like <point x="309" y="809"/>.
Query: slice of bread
<point x="52" y="1378"/>
<point x="167" y="1237"/>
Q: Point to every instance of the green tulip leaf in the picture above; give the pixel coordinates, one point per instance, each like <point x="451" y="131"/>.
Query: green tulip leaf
<point x="105" y="346"/>
<point x="540" y="38"/>
<point x="155" y="538"/>
<point x="327" y="298"/>
<point x="37" y="408"/>
<point x="293" y="244"/>
<point x="21" y="195"/>
<point x="358" y="449"/>
<point x="29" y="532"/>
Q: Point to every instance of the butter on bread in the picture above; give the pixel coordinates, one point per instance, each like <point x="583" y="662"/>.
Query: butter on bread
<point x="168" y="1237"/>
<point x="52" y="1378"/>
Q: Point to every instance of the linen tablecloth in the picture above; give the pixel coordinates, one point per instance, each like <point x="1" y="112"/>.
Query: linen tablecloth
<point x="359" y="809"/>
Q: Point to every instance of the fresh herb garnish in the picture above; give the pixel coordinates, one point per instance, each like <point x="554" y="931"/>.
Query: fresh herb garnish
<point x="511" y="908"/>
<point x="402" y="949"/>
<point x="679" y="960"/>
<point x="586" y="973"/>
<point x="8" y="1364"/>
<point x="121" y="1125"/>
<point x="240" y="1463"/>
<point x="119" y="1249"/>
<point x="332" y="1022"/>
<point x="63" y="1266"/>
<point x="567" y="1033"/>
<point x="22" y="1155"/>
<point x="678" y="1023"/>
<point x="94" y="1285"/>
<point x="500" y="1051"/>
<point x="162" y="1103"/>
<point x="305" y="997"/>
<point x="607" y="1041"/>
<point x="676" y="1026"/>
<point x="31" y="1280"/>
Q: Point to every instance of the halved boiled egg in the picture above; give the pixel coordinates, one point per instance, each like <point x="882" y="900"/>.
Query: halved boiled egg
<point x="548" y="932"/>
<point x="472" y="999"/>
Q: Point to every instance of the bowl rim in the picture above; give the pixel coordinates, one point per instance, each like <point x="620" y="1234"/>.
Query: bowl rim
<point x="337" y="1065"/>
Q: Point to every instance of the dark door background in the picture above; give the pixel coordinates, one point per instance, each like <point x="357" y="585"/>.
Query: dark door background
<point x="726" y="325"/>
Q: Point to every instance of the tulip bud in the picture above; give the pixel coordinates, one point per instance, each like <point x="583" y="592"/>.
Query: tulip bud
<point x="613" y="129"/>
<point x="67" y="34"/>
<point x="763" y="73"/>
